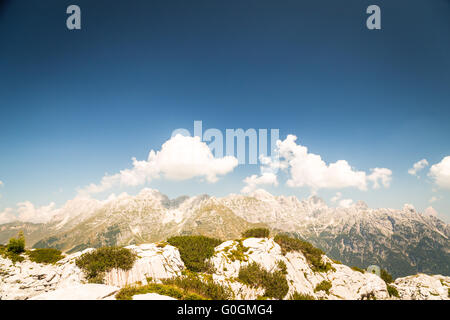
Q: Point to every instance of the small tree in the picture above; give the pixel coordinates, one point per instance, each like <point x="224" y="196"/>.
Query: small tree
<point x="16" y="246"/>
<point x="386" y="276"/>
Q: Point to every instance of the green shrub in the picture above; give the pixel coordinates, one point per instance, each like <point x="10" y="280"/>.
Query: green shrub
<point x="274" y="283"/>
<point x="13" y="249"/>
<point x="301" y="296"/>
<point x="238" y="253"/>
<point x="16" y="246"/>
<point x="312" y="254"/>
<point x="201" y="285"/>
<point x="14" y="257"/>
<point x="282" y="266"/>
<point x="392" y="291"/>
<point x="127" y="293"/>
<point x="94" y="264"/>
<point x="357" y="269"/>
<point x="323" y="286"/>
<point x="256" y="233"/>
<point x="386" y="276"/>
<point x="194" y="250"/>
<point x="48" y="255"/>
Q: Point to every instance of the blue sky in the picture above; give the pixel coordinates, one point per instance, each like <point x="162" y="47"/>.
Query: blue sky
<point x="77" y="104"/>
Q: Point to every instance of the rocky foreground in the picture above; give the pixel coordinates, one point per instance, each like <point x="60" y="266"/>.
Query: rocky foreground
<point x="64" y="280"/>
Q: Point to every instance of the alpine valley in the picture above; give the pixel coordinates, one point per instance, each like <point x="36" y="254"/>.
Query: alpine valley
<point x="404" y="242"/>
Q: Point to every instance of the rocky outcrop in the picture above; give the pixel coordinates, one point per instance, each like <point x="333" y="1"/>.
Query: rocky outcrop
<point x="346" y="283"/>
<point x="64" y="280"/>
<point x="26" y="279"/>
<point x="155" y="262"/>
<point x="423" y="287"/>
<point x="80" y="292"/>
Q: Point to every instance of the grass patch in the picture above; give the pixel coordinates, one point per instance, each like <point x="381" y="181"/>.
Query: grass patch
<point x="14" y="257"/>
<point x="300" y="296"/>
<point x="202" y="285"/>
<point x="48" y="256"/>
<point x="312" y="254"/>
<point x="194" y="250"/>
<point x="94" y="264"/>
<point x="392" y="291"/>
<point x="323" y="286"/>
<point x="238" y="253"/>
<point x="274" y="283"/>
<point x="127" y="293"/>
<point x="256" y="233"/>
<point x="357" y="269"/>
<point x="336" y="261"/>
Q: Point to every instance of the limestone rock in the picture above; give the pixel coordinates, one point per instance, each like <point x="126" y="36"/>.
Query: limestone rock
<point x="152" y="296"/>
<point x="79" y="292"/>
<point x="346" y="283"/>
<point x="423" y="287"/>
<point x="154" y="262"/>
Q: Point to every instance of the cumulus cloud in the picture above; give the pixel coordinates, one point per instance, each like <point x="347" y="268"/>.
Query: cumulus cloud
<point x="336" y="197"/>
<point x="28" y="212"/>
<point x="269" y="168"/>
<point x="345" y="203"/>
<point x="419" y="165"/>
<point x="180" y="158"/>
<point x="309" y="170"/>
<point x="440" y="173"/>
<point x="382" y="175"/>
<point x="252" y="182"/>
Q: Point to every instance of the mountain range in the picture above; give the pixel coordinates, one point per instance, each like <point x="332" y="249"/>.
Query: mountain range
<point x="404" y="242"/>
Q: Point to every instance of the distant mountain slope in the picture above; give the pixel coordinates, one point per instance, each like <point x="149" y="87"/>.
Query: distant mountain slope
<point x="402" y="241"/>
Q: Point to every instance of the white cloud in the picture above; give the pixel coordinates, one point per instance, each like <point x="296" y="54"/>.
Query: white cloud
<point x="309" y="170"/>
<point x="252" y="182"/>
<point x="440" y="173"/>
<point x="419" y="165"/>
<point x="382" y="174"/>
<point x="345" y="203"/>
<point x="1" y="183"/>
<point x="180" y="158"/>
<point x="268" y="176"/>
<point x="336" y="197"/>
<point x="27" y="212"/>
